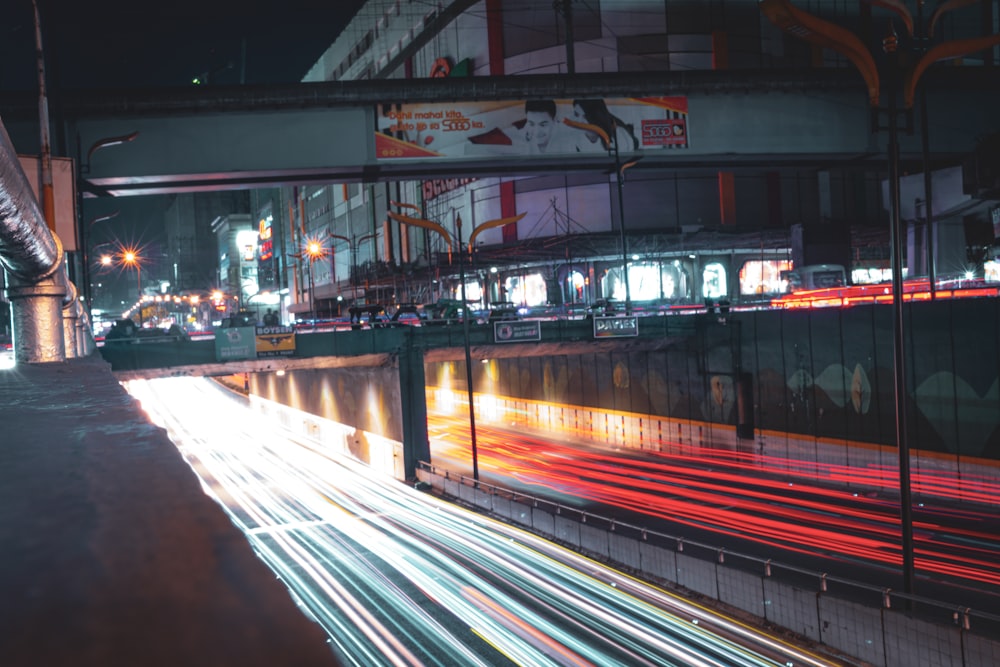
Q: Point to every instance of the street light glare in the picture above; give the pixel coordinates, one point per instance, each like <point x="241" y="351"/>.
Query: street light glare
<point x="314" y="248"/>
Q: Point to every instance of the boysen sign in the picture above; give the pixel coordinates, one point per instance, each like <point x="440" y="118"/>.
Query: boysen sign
<point x="513" y="332"/>
<point x="248" y="342"/>
<point x="615" y="327"/>
<point x="275" y="341"/>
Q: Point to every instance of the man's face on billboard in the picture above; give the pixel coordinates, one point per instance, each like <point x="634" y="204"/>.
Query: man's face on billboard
<point x="538" y="128"/>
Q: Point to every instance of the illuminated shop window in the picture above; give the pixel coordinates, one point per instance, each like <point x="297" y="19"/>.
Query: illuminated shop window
<point x="991" y="271"/>
<point x="713" y="281"/>
<point x="575" y="285"/>
<point x="870" y="276"/>
<point x="763" y="276"/>
<point x="473" y="291"/>
<point x="526" y="290"/>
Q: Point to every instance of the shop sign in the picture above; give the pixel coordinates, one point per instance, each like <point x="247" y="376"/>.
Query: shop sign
<point x="616" y="327"/>
<point x="515" y="332"/>
<point x="275" y="341"/>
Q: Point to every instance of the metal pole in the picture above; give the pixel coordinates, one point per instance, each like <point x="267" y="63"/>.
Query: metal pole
<point x="621" y="221"/>
<point x="138" y="280"/>
<point x="902" y="443"/>
<point x="312" y="303"/>
<point x="468" y="351"/>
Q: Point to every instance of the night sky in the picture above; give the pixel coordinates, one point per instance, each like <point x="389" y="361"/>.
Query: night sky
<point x="119" y="44"/>
<point x="143" y="43"/>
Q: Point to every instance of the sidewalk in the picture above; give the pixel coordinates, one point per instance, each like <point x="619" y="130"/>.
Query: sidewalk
<point x="111" y="553"/>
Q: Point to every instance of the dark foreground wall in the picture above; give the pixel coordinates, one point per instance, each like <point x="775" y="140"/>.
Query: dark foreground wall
<point x="112" y="553"/>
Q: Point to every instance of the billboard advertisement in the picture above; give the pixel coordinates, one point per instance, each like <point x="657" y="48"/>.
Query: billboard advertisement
<point x="489" y="129"/>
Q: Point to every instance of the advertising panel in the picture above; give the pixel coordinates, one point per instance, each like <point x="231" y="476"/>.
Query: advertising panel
<point x="563" y="127"/>
<point x="275" y="341"/>
<point x="615" y="327"/>
<point x="513" y="332"/>
<point x="235" y="343"/>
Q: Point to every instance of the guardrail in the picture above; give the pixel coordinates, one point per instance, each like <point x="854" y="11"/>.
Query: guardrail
<point x="870" y="623"/>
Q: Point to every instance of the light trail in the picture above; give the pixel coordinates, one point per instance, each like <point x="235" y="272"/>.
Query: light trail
<point x="738" y="497"/>
<point x="399" y="577"/>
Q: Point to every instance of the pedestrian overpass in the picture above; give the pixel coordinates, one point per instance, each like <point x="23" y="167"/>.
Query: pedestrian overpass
<point x="197" y="139"/>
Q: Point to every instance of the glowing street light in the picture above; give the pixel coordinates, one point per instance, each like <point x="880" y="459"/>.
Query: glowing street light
<point x="312" y="250"/>
<point x="131" y="258"/>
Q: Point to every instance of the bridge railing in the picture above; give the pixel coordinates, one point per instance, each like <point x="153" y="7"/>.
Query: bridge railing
<point x="875" y="624"/>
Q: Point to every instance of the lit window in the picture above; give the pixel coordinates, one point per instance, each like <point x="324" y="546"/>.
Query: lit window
<point x="713" y="278"/>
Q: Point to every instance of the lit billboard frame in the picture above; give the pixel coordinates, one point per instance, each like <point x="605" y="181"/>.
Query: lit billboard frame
<point x="517" y="129"/>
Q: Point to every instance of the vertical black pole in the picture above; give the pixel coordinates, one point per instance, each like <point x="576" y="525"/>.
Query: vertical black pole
<point x="902" y="443"/>
<point x="468" y="352"/>
<point x="621" y="221"/>
<point x="928" y="210"/>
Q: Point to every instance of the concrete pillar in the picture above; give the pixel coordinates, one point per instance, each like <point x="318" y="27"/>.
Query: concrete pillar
<point x="413" y="404"/>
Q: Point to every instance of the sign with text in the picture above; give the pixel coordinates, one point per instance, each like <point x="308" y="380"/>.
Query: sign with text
<point x="443" y="130"/>
<point x="615" y="327"/>
<point x="235" y="343"/>
<point x="515" y="332"/>
<point x="275" y="341"/>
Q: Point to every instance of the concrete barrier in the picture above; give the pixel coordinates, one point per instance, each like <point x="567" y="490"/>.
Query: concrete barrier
<point x="979" y="651"/>
<point x="911" y="642"/>
<point x="658" y="561"/>
<point x="520" y="513"/>
<point x="741" y="590"/>
<point x="697" y="575"/>
<point x="853" y="628"/>
<point x="542" y="521"/>
<point x="594" y="540"/>
<point x="501" y="506"/>
<point x="567" y="530"/>
<point x="791" y="607"/>
<point x="625" y="550"/>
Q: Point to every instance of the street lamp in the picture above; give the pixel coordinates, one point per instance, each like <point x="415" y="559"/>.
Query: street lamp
<point x="611" y="143"/>
<point x="829" y="35"/>
<point x="433" y="226"/>
<point x="131" y="258"/>
<point x="313" y="250"/>
<point x="353" y="246"/>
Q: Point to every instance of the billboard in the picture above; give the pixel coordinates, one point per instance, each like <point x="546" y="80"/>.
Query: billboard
<point x="451" y="130"/>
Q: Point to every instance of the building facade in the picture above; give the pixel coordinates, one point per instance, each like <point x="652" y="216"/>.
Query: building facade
<point x="687" y="233"/>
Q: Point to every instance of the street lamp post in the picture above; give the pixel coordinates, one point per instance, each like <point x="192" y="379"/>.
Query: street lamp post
<point x="131" y="258"/>
<point x="353" y="245"/>
<point x="468" y="349"/>
<point x="435" y="227"/>
<point x="620" y="177"/>
<point x="314" y="250"/>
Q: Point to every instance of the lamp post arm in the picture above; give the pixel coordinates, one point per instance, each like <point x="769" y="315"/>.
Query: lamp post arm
<point x="426" y="224"/>
<point x="489" y="224"/>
